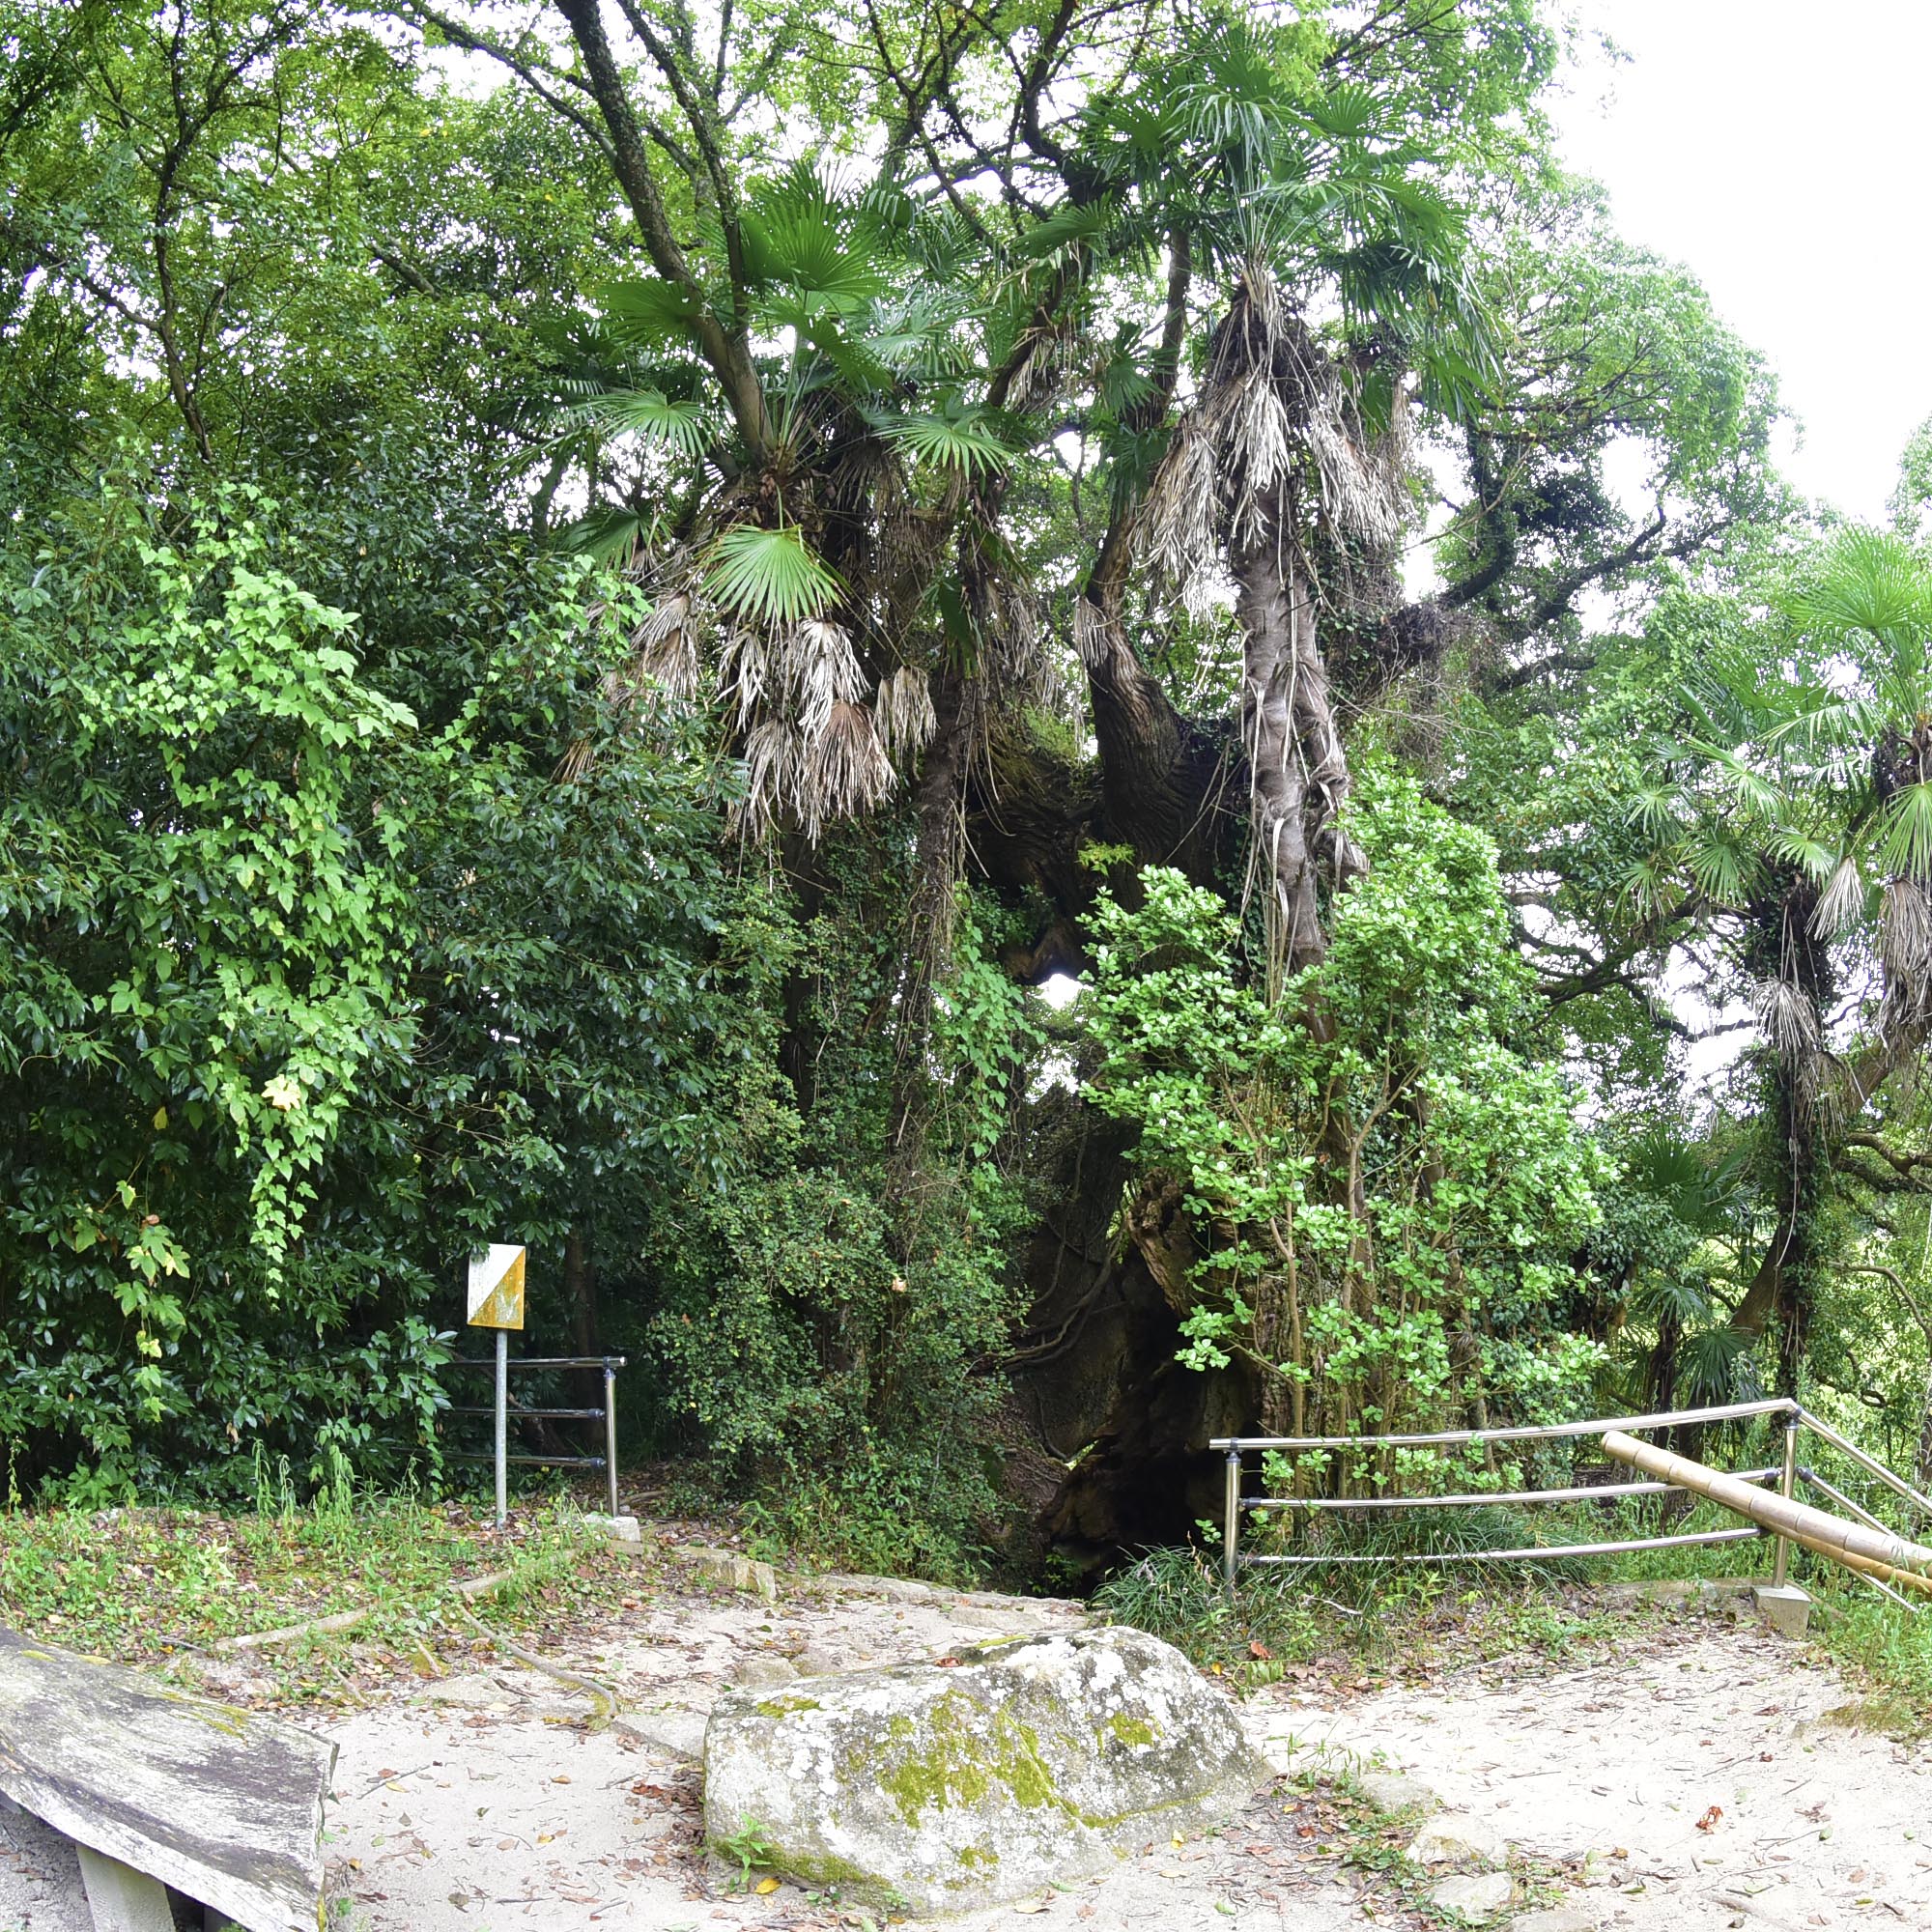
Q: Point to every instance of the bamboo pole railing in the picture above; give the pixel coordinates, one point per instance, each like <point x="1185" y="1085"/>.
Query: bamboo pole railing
<point x="1872" y="1552"/>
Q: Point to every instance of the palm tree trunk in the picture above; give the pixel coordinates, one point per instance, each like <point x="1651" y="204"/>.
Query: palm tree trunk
<point x="1285" y="689"/>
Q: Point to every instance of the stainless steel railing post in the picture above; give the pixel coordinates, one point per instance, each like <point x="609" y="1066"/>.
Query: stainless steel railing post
<point x="1787" y="1483"/>
<point x="1231" y="1529"/>
<point x="611" y="1429"/>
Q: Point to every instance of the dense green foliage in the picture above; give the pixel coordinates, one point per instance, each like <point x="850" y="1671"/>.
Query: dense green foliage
<point x="311" y="992"/>
<point x="1387" y="1202"/>
<point x="568" y="675"/>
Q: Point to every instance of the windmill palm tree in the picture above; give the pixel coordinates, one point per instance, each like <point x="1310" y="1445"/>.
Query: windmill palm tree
<point x="909" y="361"/>
<point x="1800" y="811"/>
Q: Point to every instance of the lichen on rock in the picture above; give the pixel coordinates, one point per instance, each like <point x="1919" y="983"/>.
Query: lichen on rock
<point x="955" y="1786"/>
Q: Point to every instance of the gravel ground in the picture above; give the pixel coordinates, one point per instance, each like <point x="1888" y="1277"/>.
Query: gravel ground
<point x="1697" y="1781"/>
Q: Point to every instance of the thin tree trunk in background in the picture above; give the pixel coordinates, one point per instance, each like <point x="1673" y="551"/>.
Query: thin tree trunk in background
<point x="1922" y="1466"/>
<point x="580" y="1294"/>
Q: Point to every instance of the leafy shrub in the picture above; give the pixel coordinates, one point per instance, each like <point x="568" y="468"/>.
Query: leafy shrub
<point x="820" y="1319"/>
<point x="1380" y="1192"/>
<point x="301" y="995"/>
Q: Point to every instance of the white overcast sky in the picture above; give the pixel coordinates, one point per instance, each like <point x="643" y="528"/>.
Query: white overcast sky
<point x="1783" y="154"/>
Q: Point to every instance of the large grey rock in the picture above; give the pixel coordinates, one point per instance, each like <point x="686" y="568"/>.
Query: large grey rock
<point x="672" y="1733"/>
<point x="619" y="1529"/>
<point x="735" y="1572"/>
<point x="952" y="1786"/>
<point x="761" y="1669"/>
<point x="1394" y="1795"/>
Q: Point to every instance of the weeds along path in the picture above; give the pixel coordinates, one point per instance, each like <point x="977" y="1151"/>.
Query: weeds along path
<point x="487" y="1799"/>
<point x="1706" y="1776"/>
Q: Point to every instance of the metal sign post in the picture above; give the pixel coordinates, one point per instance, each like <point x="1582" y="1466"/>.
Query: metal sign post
<point x="497" y="1301"/>
<point x="502" y="1438"/>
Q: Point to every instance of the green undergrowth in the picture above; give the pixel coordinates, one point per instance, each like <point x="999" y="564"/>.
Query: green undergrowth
<point x="143" y="1585"/>
<point x="1283" y="1624"/>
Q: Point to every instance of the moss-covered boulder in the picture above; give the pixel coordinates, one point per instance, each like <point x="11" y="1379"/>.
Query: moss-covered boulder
<point x="959" y="1783"/>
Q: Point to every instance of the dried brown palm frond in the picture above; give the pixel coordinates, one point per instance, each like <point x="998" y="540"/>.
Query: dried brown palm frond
<point x="1363" y="479"/>
<point x="1275" y="404"/>
<point x="906" y="553"/>
<point x="744" y="673"/>
<point x="903" y="715"/>
<point x="1905" y="931"/>
<point x="1013" y="615"/>
<point x="666" y="646"/>
<point x="774" y="763"/>
<point x="1842" y="900"/>
<point x="1905" y="952"/>
<point x="575" y="761"/>
<point x="845" y="770"/>
<point x="818" y="671"/>
<point x="665" y="664"/>
<point x="1788" y="1019"/>
<point x="1182" y="516"/>
<point x="1096" y="635"/>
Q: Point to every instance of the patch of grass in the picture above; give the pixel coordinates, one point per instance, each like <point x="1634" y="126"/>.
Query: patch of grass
<point x="1883" y="1650"/>
<point x="144" y="1586"/>
<point x="1251" y="1634"/>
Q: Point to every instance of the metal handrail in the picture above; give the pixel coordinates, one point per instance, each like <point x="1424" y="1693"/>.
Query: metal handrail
<point x="1528" y="1551"/>
<point x="1581" y="1492"/>
<point x="608" y="1414"/>
<point x="1817" y="1482"/>
<point x="1537" y="1432"/>
<point x="1846" y="1447"/>
<point x="1796" y="1417"/>
<point x="538" y="1362"/>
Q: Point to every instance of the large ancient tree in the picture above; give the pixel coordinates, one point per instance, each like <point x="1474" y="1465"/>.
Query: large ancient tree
<point x="1111" y="343"/>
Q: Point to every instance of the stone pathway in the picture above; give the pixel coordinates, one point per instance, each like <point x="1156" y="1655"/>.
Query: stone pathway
<point x="1698" y="1781"/>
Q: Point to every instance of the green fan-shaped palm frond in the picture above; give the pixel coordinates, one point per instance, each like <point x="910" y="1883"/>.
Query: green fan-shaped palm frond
<point x="682" y="427"/>
<point x="1649" y="883"/>
<point x="1824" y="720"/>
<point x="1872" y="583"/>
<point x="1658" y="811"/>
<point x="1722" y="870"/>
<point x="1749" y="790"/>
<point x="1682" y="1295"/>
<point x="954" y="437"/>
<point x="606" y="533"/>
<point x="1905" y="831"/>
<point x="846" y="357"/>
<point x="1816" y="858"/>
<point x="768" y="576"/>
<point x="648" y="313"/>
<point x="1068" y="228"/>
<point x="1708" y="1362"/>
<point x="803" y="234"/>
<point x="1348" y="112"/>
<point x="1122" y="383"/>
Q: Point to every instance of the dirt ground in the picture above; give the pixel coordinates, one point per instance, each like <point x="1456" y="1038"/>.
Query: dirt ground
<point x="1696" y="1781"/>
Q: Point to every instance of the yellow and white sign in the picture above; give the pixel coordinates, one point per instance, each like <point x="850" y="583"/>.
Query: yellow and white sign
<point x="497" y="1287"/>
